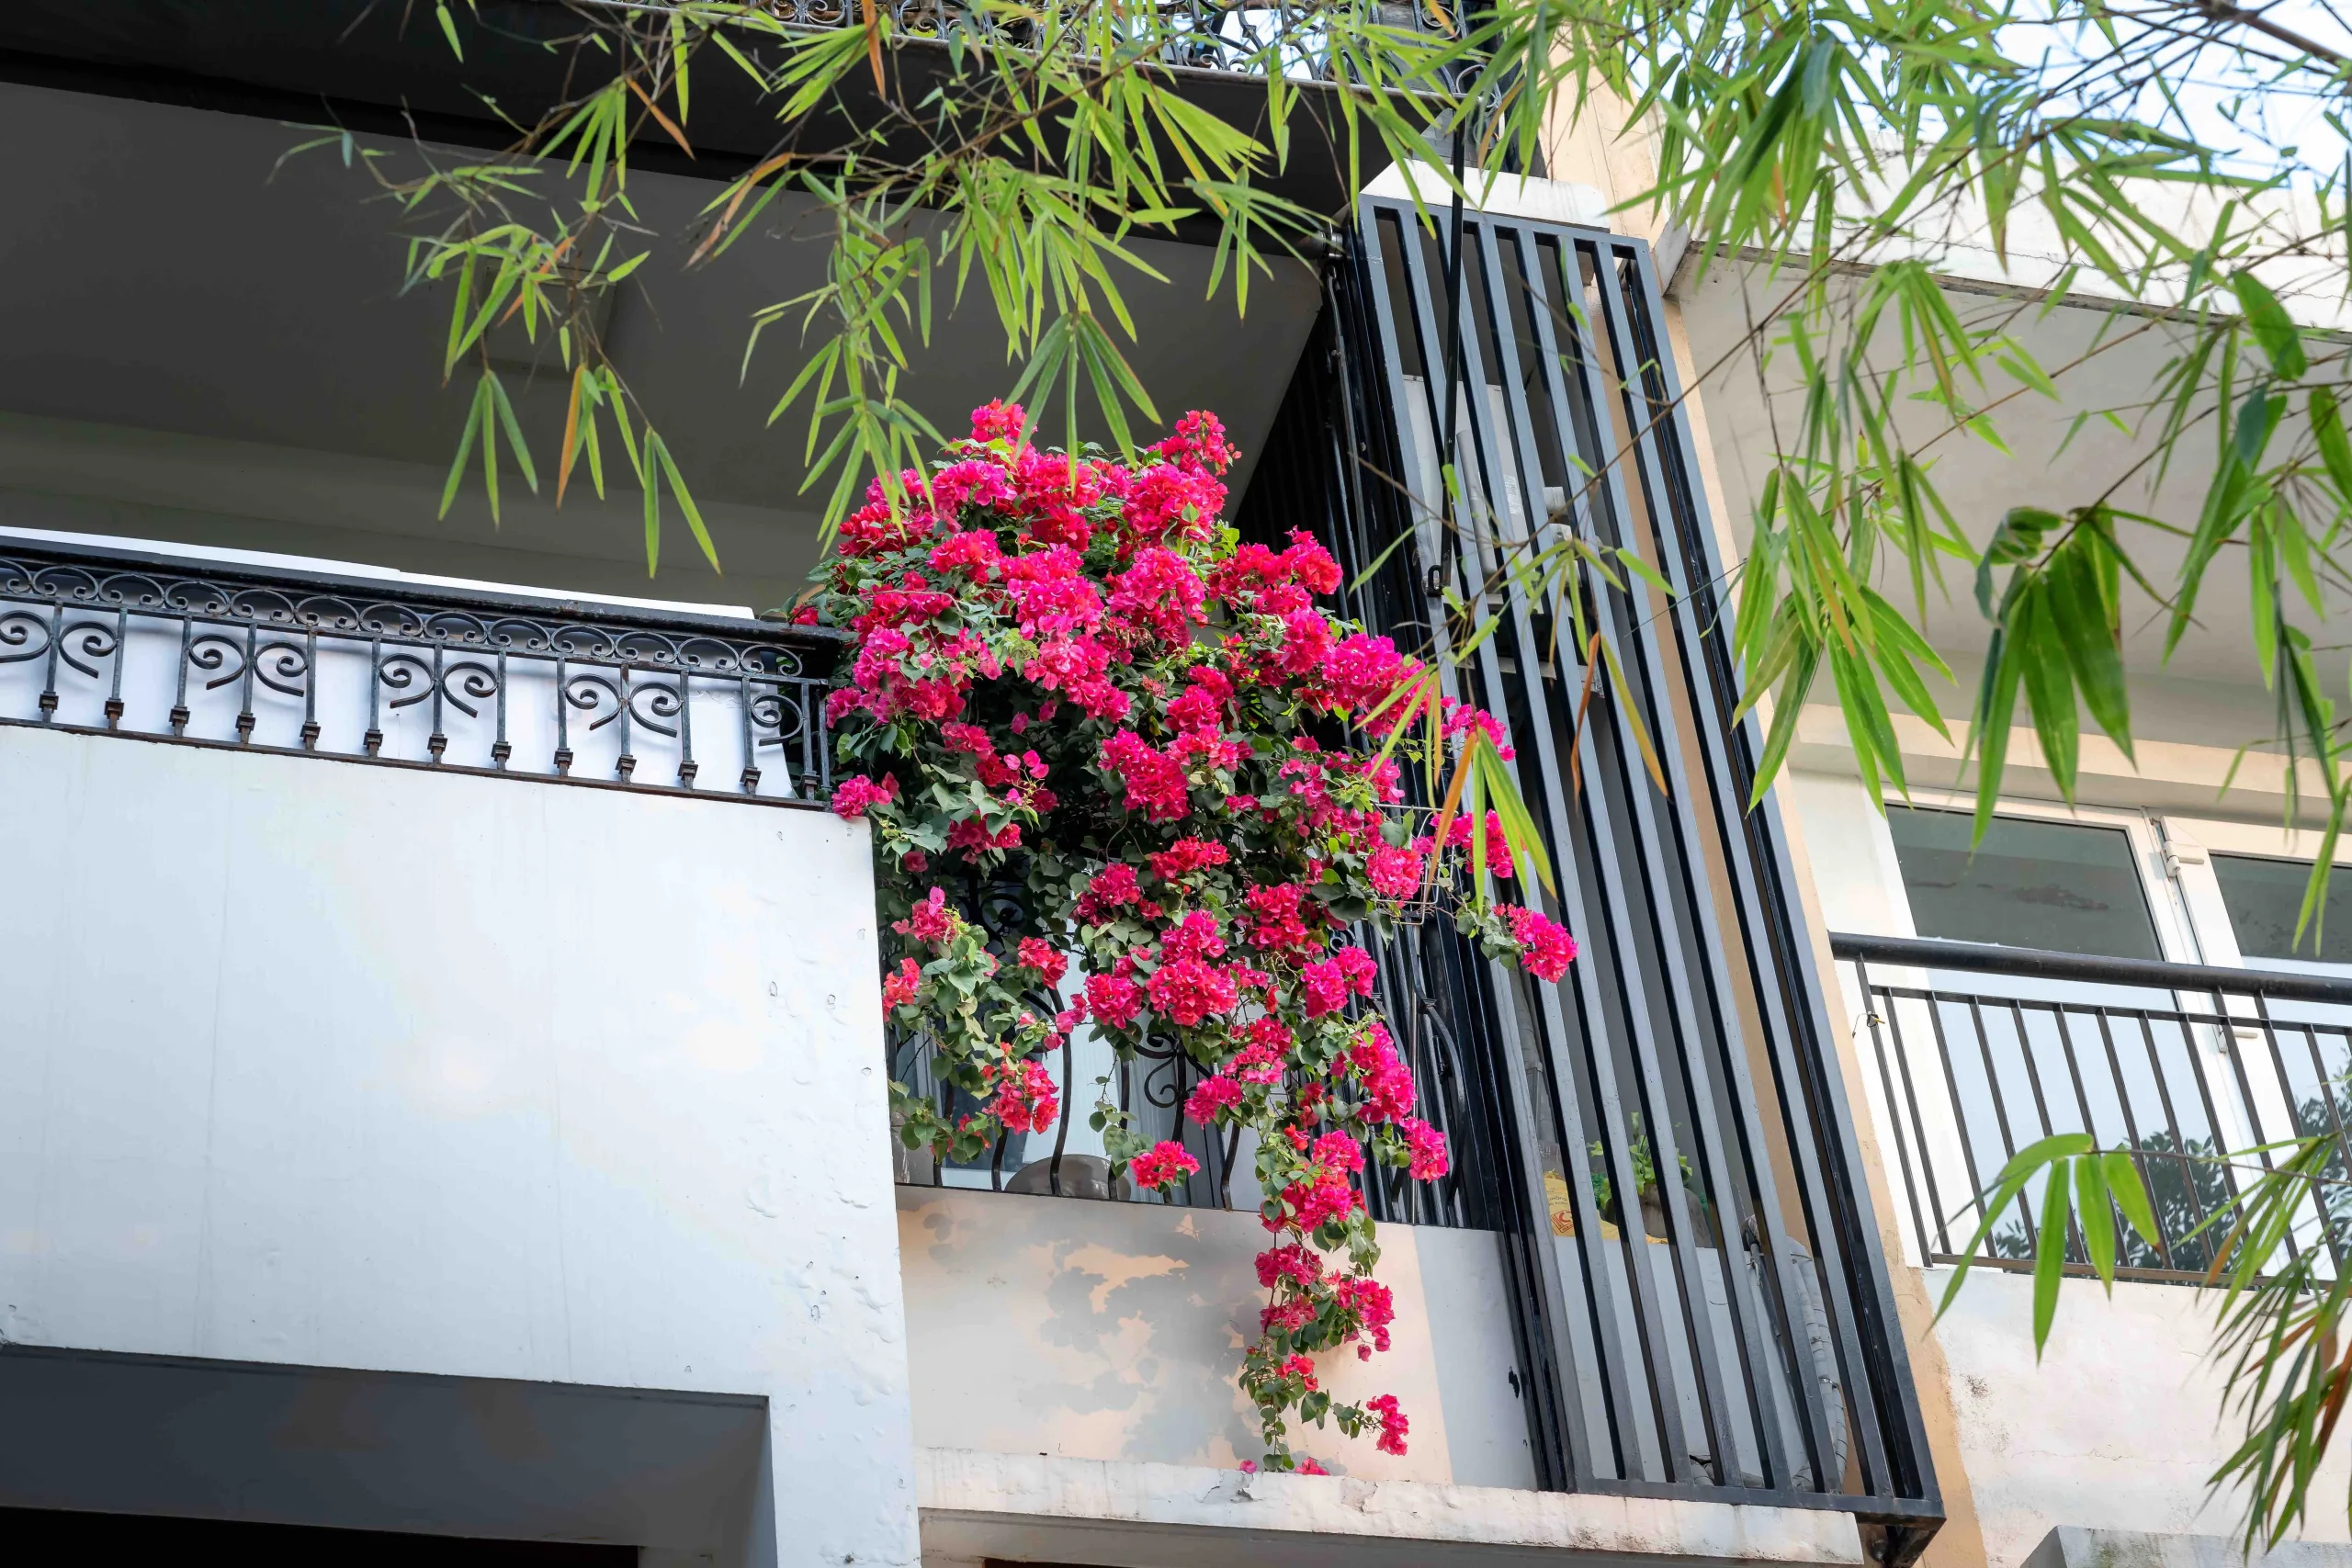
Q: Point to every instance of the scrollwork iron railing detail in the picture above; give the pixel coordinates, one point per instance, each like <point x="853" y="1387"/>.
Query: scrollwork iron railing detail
<point x="118" y="642"/>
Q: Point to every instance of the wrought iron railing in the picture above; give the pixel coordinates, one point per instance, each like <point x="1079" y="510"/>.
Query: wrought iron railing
<point x="115" y="642"/>
<point x="1978" y="1051"/>
<point x="1151" y="1086"/>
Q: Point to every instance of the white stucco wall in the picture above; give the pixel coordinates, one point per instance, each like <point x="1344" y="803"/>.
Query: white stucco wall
<point x="2119" y="1427"/>
<point x="1114" y="1331"/>
<point x="309" y="1061"/>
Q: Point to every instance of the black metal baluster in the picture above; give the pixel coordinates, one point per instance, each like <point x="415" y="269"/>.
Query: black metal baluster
<point x="179" y="694"/>
<point x="500" y="750"/>
<point x="2326" y="1088"/>
<point x="1176" y="1063"/>
<point x="436" y="743"/>
<point x="245" y="686"/>
<point x="2172" y="1120"/>
<point x="801" y="784"/>
<point x="2131" y="1120"/>
<point x="2000" y="1113"/>
<point x="750" y="740"/>
<point x="1061" y="1127"/>
<point x="310" y="690"/>
<point x="374" y="739"/>
<point x="812" y="727"/>
<point x="1959" y="1113"/>
<point x="627" y="763"/>
<point x="49" y="679"/>
<point x="2285" y="1090"/>
<point x="687" y="767"/>
<point x="121" y="656"/>
<point x="1894" y="1114"/>
<point x="562" y="722"/>
<point x="2226" y="1033"/>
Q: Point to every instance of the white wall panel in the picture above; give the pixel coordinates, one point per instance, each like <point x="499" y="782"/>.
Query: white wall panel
<point x="316" y="1062"/>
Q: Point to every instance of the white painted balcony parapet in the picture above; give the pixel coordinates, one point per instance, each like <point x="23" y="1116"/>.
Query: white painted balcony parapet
<point x="977" y="1507"/>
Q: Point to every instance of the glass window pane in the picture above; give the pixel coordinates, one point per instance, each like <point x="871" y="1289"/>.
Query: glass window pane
<point x="2031" y="883"/>
<point x="2265" y="898"/>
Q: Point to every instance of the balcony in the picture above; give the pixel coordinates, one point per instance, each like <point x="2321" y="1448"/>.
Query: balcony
<point x="1589" y="1342"/>
<point x="440" y="1091"/>
<point x="1977" y="1051"/>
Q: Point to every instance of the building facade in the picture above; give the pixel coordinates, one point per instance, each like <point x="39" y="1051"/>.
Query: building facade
<point x="444" y="1109"/>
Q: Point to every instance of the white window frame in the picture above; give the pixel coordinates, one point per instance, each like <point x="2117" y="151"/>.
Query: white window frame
<point x="2176" y="934"/>
<point x="2190" y="842"/>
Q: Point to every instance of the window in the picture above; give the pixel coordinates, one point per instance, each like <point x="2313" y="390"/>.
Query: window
<point x="2063" y="886"/>
<point x="2264" y="899"/>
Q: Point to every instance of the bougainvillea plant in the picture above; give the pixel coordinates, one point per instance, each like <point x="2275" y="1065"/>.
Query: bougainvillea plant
<point x="1122" y="769"/>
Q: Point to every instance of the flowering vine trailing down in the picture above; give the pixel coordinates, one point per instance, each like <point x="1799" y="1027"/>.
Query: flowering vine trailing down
<point x="1077" y="704"/>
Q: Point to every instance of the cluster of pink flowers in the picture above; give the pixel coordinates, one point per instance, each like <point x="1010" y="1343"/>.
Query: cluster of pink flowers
<point x="1025" y="1097"/>
<point x="1162" y="1165"/>
<point x="1546" y="948"/>
<point x="1072" y="696"/>
<point x="854" y="794"/>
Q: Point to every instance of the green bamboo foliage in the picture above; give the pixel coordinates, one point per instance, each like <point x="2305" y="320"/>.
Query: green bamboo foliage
<point x="1056" y="140"/>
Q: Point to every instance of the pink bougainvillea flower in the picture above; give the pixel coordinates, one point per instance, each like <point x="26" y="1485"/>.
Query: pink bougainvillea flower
<point x="1545" y="947"/>
<point x="1426" y="1145"/>
<point x="1212" y="1096"/>
<point x="1042" y="957"/>
<point x="1394" y="870"/>
<point x="1114" y="999"/>
<point x="902" y="986"/>
<point x="1189" y="991"/>
<point x="932" y="920"/>
<point x="1026" y="1098"/>
<point x="855" y="796"/>
<point x="1162" y="1165"/>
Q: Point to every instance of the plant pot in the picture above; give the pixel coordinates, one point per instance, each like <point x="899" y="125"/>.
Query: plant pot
<point x="1082" y="1176"/>
<point x="1654" y="1216"/>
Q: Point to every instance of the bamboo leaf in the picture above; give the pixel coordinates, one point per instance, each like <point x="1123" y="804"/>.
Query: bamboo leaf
<point x="477" y="417"/>
<point x="2096" y="1216"/>
<point x="2334" y="450"/>
<point x="2050" y="1255"/>
<point x="657" y="448"/>
<point x="2272" y="328"/>
<point x="1994" y="1200"/>
<point x="2121" y="1176"/>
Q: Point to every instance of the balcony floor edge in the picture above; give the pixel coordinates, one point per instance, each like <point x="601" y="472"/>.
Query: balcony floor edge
<point x="977" y="1506"/>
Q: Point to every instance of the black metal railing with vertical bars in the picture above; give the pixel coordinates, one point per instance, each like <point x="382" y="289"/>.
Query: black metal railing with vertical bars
<point x="1702" y="1306"/>
<point x="1977" y="1051"/>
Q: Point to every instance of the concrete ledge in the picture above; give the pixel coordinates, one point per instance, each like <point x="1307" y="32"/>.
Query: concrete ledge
<point x="2068" y="1546"/>
<point x="979" y="1506"/>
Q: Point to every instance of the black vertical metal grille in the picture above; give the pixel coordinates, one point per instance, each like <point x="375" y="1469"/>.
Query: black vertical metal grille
<point x="1729" y="1331"/>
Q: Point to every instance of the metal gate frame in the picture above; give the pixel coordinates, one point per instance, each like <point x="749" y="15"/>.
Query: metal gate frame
<point x="1694" y="1023"/>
